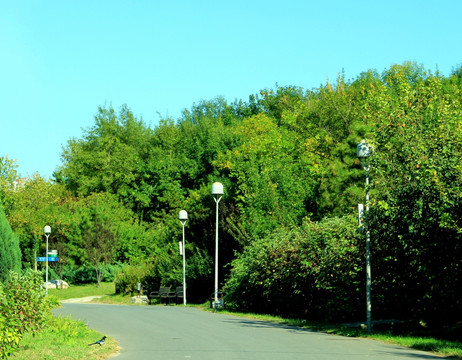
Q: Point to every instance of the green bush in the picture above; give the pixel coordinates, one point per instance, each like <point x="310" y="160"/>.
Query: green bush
<point x="313" y="271"/>
<point x="127" y="280"/>
<point x="52" y="275"/>
<point x="23" y="308"/>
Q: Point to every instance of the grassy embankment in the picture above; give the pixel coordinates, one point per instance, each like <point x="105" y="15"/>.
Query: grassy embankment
<point x="70" y="336"/>
<point x="68" y="339"/>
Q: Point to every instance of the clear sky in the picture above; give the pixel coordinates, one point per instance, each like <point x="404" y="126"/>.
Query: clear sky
<point x="60" y="60"/>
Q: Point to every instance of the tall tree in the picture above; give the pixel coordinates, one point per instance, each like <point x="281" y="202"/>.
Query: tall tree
<point x="99" y="243"/>
<point x="29" y="209"/>
<point x="109" y="157"/>
<point x="272" y="178"/>
<point x="8" y="177"/>
<point x="10" y="254"/>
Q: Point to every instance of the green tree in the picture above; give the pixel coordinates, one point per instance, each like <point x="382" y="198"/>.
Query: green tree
<point x="418" y="217"/>
<point x="8" y="177"/>
<point x="98" y="215"/>
<point x="108" y="158"/>
<point x="32" y="206"/>
<point x="10" y="254"/>
<point x="272" y="178"/>
<point x="285" y="156"/>
<point x="99" y="241"/>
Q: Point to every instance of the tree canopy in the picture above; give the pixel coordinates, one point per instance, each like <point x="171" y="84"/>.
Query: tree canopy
<point x="287" y="159"/>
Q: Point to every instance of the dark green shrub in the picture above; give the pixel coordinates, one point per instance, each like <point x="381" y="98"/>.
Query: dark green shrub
<point x="313" y="271"/>
<point x="52" y="275"/>
<point x="10" y="254"/>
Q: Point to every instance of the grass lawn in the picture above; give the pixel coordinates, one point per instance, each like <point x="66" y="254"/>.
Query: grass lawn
<point x="68" y="339"/>
<point x="79" y="291"/>
<point x="106" y="291"/>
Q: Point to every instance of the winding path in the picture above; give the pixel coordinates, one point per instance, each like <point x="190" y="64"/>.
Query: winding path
<point x="177" y="332"/>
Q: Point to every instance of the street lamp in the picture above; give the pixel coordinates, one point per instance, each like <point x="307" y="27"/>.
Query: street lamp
<point x="217" y="192"/>
<point x="363" y="153"/>
<point x="47" y="231"/>
<point x="183" y="217"/>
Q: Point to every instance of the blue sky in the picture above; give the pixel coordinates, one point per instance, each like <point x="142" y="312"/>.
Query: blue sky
<point x="61" y="60"/>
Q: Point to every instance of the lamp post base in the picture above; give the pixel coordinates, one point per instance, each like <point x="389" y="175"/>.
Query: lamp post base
<point x="218" y="304"/>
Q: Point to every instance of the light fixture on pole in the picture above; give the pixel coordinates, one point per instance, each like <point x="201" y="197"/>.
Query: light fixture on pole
<point x="47" y="231"/>
<point x="363" y="153"/>
<point x="183" y="217"/>
<point x="217" y="192"/>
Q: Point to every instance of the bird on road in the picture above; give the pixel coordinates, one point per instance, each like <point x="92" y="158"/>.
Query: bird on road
<point x="99" y="342"/>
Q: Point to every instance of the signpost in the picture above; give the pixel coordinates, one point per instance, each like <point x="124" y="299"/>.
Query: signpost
<point x="43" y="259"/>
<point x="52" y="256"/>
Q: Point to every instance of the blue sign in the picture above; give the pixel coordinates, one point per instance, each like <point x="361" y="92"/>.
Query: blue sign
<point x="43" y="258"/>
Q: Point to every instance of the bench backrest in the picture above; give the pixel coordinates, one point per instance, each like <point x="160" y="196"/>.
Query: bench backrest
<point x="164" y="290"/>
<point x="179" y="291"/>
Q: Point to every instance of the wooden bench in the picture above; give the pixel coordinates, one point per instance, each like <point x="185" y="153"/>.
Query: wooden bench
<point x="164" y="293"/>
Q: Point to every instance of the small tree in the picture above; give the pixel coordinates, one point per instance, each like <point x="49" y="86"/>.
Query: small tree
<point x="60" y="265"/>
<point x="99" y="241"/>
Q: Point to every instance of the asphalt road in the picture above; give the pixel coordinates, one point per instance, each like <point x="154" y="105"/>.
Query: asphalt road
<point x="176" y="332"/>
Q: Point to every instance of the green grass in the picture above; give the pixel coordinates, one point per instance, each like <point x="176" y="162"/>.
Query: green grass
<point x="114" y="299"/>
<point x="441" y="347"/>
<point x="65" y="339"/>
<point x="79" y="291"/>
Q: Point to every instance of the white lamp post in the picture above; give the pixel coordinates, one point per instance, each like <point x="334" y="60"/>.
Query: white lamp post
<point x="47" y="231"/>
<point x="217" y="192"/>
<point x="183" y="217"/>
<point x="364" y="152"/>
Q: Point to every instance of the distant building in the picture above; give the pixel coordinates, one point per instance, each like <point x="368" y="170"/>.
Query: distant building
<point x="19" y="183"/>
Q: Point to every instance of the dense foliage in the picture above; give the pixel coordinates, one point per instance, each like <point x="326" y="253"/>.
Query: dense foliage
<point x="311" y="271"/>
<point x="287" y="160"/>
<point x="10" y="254"/>
<point x="23" y="309"/>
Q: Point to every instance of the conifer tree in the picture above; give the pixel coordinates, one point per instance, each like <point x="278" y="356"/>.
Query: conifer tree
<point x="10" y="254"/>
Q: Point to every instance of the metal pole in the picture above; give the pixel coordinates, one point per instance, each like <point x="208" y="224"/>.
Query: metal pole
<point x="216" y="255"/>
<point x="46" y="276"/>
<point x="368" y="258"/>
<point x="184" y="268"/>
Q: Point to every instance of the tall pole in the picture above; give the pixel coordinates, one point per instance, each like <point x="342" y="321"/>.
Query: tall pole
<point x="216" y="253"/>
<point x="184" y="268"/>
<point x="368" y="258"/>
<point x="183" y="217"/>
<point x="46" y="276"/>
<point x="364" y="150"/>
<point x="47" y="231"/>
<point x="217" y="192"/>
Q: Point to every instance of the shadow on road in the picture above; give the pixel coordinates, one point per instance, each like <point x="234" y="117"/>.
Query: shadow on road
<point x="268" y="324"/>
<point x="420" y="355"/>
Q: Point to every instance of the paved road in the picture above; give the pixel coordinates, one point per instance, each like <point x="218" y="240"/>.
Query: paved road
<point x="175" y="332"/>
